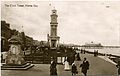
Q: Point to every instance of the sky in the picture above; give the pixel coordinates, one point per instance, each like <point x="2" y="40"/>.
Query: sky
<point x="79" y="22"/>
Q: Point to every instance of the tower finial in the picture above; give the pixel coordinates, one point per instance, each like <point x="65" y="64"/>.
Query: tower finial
<point x="54" y="7"/>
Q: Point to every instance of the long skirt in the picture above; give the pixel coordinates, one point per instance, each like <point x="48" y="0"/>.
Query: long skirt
<point x="67" y="66"/>
<point x="53" y="72"/>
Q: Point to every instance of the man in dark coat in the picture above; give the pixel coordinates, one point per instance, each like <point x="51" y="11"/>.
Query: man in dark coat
<point x="118" y="66"/>
<point x="53" y="69"/>
<point x="74" y="69"/>
<point x="85" y="67"/>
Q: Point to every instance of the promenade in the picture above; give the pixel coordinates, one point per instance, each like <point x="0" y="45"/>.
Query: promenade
<point x="98" y="67"/>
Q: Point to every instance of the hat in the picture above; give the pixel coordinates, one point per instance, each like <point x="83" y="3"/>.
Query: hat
<point x="73" y="63"/>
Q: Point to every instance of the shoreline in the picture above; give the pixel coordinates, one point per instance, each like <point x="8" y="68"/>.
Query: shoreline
<point x="108" y="57"/>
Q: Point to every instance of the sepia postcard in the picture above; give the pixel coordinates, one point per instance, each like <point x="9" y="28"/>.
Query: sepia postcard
<point x="60" y="38"/>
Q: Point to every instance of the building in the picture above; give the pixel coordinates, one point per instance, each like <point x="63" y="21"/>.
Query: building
<point x="53" y="38"/>
<point x="5" y="30"/>
<point x="5" y="35"/>
<point x="29" y="41"/>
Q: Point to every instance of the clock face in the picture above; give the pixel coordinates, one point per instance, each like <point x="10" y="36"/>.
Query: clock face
<point x="53" y="19"/>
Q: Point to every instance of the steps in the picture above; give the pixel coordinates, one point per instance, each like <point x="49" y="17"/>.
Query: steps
<point x="17" y="67"/>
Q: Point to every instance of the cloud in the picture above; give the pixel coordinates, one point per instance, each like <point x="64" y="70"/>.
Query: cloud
<point x="78" y="21"/>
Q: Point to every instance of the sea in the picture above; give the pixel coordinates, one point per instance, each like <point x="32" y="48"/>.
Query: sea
<point x="113" y="51"/>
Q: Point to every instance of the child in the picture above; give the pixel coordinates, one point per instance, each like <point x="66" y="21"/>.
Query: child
<point x="74" y="69"/>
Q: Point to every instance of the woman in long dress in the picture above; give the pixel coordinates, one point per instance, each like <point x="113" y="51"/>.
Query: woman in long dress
<point x="67" y="66"/>
<point x="53" y="69"/>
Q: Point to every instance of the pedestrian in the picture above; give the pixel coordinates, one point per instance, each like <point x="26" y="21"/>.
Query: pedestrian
<point x="84" y="51"/>
<point x="74" y="70"/>
<point x="81" y="51"/>
<point x="66" y="66"/>
<point x="78" y="57"/>
<point x="118" y="66"/>
<point x="85" y="67"/>
<point x="97" y="53"/>
<point x="53" y="69"/>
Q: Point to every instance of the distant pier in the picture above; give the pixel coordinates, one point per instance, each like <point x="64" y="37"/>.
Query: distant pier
<point x="78" y="46"/>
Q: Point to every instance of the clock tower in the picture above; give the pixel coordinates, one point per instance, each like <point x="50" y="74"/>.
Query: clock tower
<point x="53" y="38"/>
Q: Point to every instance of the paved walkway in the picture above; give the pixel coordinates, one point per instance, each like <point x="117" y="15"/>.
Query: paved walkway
<point x="98" y="67"/>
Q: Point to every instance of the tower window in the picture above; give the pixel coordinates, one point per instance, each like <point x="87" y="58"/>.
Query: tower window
<point x="53" y="43"/>
<point x="53" y="12"/>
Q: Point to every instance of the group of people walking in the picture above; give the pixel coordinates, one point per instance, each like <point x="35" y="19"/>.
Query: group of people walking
<point x="84" y="66"/>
